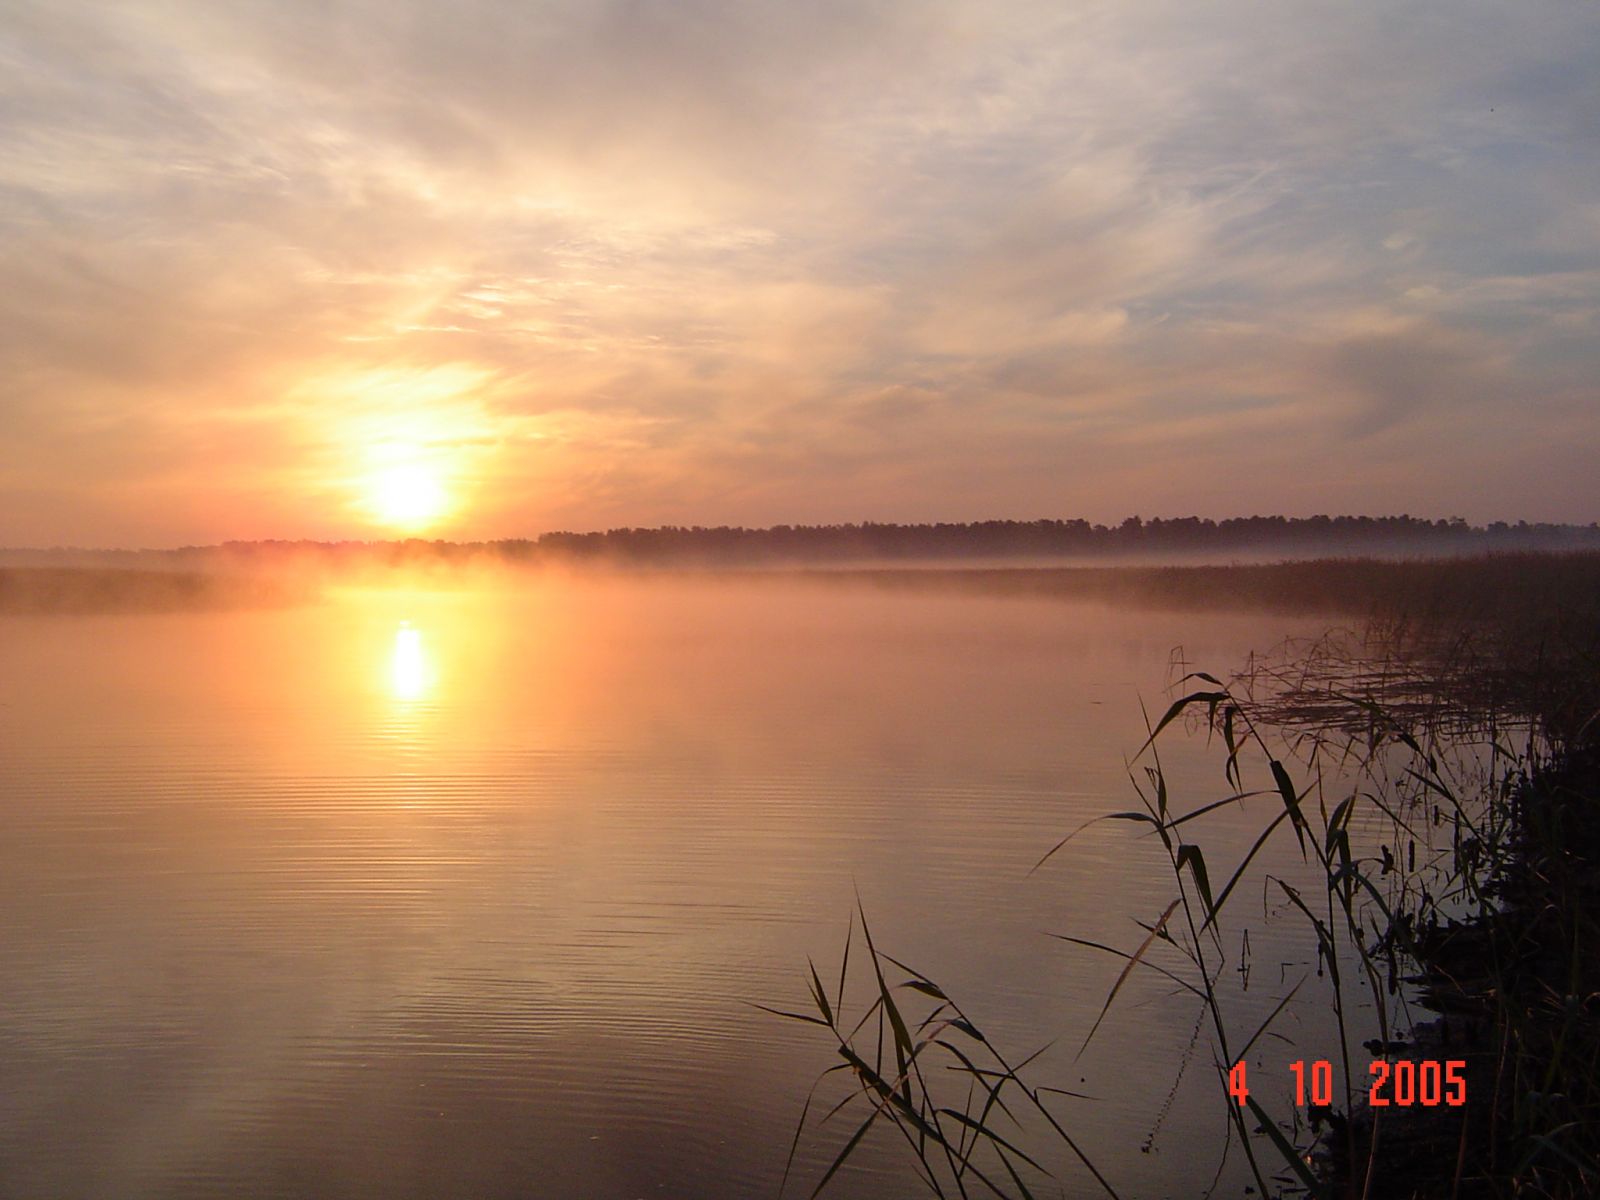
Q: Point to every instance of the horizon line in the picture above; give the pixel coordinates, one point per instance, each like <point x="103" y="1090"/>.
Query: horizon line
<point x="1446" y="525"/>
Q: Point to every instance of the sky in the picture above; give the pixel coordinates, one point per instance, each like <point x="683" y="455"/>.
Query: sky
<point x="370" y="268"/>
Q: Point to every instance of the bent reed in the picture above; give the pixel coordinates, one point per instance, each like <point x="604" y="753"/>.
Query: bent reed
<point x="1440" y="782"/>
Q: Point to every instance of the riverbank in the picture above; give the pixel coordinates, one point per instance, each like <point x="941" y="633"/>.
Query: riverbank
<point x="1501" y="587"/>
<point x="1496" y="937"/>
<point x="1516" y="991"/>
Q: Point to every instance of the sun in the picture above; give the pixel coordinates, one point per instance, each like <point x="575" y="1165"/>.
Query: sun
<point x="409" y="496"/>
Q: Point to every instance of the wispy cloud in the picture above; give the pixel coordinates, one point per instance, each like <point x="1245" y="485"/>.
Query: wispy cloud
<point x="758" y="262"/>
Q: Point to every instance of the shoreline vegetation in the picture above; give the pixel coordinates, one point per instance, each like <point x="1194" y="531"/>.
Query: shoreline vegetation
<point x="1179" y="539"/>
<point x="1465" y="589"/>
<point x="1516" y="990"/>
<point x="1503" y="590"/>
<point x="1497" y="711"/>
<point x="1440" y="772"/>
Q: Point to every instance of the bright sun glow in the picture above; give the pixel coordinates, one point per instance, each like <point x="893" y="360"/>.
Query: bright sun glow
<point x="408" y="496"/>
<point x="408" y="664"/>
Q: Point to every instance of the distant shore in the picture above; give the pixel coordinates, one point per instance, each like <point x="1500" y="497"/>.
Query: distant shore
<point x="80" y="591"/>
<point x="1479" y="586"/>
<point x="1189" y="540"/>
<point x="1498" y="586"/>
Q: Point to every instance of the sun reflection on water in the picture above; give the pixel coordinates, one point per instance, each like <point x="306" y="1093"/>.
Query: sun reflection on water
<point x="409" y="674"/>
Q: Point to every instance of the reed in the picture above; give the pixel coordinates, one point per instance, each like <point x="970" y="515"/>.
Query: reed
<point x="1438" y="782"/>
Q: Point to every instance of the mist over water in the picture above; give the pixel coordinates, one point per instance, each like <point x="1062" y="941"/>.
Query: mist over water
<point x="472" y="890"/>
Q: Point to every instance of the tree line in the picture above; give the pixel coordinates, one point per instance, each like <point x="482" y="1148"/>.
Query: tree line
<point x="871" y="541"/>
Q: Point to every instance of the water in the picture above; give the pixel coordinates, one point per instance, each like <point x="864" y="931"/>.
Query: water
<point x="473" y="892"/>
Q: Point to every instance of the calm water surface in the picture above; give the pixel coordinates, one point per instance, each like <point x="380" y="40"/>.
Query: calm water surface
<point x="471" y="892"/>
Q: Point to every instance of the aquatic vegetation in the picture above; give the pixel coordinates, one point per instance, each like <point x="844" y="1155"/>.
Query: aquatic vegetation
<point x="1438" y="780"/>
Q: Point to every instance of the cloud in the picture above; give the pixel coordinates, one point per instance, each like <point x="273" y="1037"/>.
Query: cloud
<point x="785" y="261"/>
<point x="1418" y="372"/>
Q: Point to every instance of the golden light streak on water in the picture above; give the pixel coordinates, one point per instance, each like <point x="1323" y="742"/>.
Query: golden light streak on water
<point x="410" y="673"/>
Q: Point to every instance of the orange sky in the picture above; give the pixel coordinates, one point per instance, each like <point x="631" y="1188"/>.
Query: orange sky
<point x="480" y="270"/>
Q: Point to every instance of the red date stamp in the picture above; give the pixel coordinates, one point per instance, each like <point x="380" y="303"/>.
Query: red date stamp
<point x="1399" y="1084"/>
